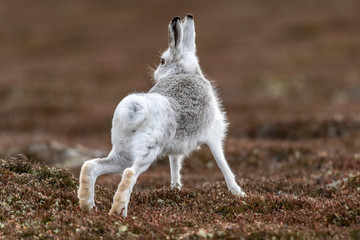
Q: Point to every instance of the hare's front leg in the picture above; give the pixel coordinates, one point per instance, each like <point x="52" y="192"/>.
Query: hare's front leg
<point x="217" y="151"/>
<point x="90" y="171"/>
<point x="175" y="167"/>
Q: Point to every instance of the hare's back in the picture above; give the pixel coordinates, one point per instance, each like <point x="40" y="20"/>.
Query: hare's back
<point x="190" y="96"/>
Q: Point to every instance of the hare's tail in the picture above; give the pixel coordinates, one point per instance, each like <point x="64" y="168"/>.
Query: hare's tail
<point x="131" y="113"/>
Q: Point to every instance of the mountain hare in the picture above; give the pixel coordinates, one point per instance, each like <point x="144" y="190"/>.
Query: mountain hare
<point x="180" y="113"/>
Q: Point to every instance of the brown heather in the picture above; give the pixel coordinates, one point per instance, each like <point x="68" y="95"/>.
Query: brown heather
<point x="39" y="201"/>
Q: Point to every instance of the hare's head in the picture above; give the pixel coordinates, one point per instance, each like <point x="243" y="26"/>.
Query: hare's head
<point x="180" y="57"/>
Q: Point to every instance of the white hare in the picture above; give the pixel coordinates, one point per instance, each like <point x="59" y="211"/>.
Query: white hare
<point x="180" y="113"/>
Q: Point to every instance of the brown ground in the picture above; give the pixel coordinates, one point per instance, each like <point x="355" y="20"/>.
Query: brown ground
<point x="289" y="76"/>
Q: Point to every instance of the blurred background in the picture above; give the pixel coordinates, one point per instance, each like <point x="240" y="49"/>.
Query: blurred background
<point x="285" y="70"/>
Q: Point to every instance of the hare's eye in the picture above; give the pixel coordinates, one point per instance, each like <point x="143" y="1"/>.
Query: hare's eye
<point x="162" y="61"/>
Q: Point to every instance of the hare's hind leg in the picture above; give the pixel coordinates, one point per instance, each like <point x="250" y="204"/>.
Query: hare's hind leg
<point x="90" y="171"/>
<point x="217" y="151"/>
<point x="175" y="167"/>
<point x="122" y="195"/>
<point x="145" y="156"/>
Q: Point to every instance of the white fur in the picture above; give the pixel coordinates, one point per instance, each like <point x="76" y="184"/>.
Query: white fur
<point x="145" y="125"/>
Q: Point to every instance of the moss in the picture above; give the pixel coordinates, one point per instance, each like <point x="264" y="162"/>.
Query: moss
<point x="354" y="233"/>
<point x="17" y="164"/>
<point x="352" y="183"/>
<point x="226" y="210"/>
<point x="59" y="178"/>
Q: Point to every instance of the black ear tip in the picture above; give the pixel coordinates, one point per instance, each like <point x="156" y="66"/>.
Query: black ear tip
<point x="175" y="19"/>
<point x="189" y="15"/>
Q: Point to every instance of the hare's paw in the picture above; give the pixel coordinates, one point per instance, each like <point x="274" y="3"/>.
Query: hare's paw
<point x="175" y="186"/>
<point x="118" y="208"/>
<point x="237" y="191"/>
<point x="86" y="205"/>
<point x="86" y="201"/>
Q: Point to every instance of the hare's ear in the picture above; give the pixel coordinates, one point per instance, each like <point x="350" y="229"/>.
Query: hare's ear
<point x="189" y="33"/>
<point x="175" y="33"/>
